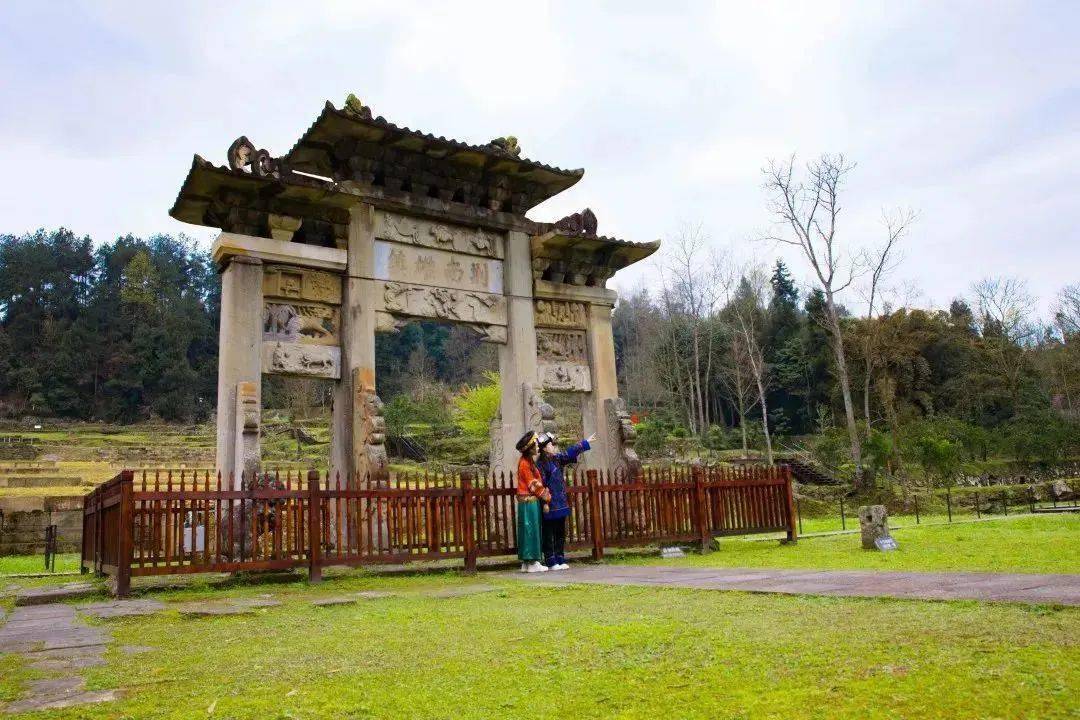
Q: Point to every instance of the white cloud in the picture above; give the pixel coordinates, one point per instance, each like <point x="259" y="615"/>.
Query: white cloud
<point x="967" y="112"/>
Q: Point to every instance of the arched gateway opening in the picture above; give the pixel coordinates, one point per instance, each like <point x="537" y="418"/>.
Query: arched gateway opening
<point x="364" y="226"/>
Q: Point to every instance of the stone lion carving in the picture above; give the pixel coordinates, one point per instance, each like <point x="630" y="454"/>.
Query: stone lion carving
<point x="369" y="432"/>
<point x="621" y="436"/>
<point x="506" y="145"/>
<point x="353" y="106"/>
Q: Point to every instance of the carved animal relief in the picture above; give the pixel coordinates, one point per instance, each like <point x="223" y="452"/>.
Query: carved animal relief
<point x="323" y="361"/>
<point x="565" y="376"/>
<point x="561" y="313"/>
<point x="457" y="238"/>
<point x="301" y="323"/>
<point x="562" y="346"/>
<point x="443" y="303"/>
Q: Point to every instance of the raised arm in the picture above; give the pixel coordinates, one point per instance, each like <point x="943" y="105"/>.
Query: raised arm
<point x="570" y="455"/>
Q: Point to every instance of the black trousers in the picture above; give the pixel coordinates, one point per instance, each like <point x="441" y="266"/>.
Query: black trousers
<point x="553" y="540"/>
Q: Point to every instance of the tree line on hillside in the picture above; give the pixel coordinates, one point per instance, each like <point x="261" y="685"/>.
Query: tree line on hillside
<point x="718" y="346"/>
<point x="723" y="354"/>
<point x="119" y="332"/>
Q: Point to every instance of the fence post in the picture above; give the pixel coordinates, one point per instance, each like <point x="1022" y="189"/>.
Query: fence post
<point x="916" y="496"/>
<point x="792" y="535"/>
<point x="596" y="524"/>
<point x="1005" y="502"/>
<point x="99" y="535"/>
<point x="467" y="521"/>
<point x="843" y="520"/>
<point x="126" y="530"/>
<point x="314" y="528"/>
<point x="700" y="508"/>
<point x="948" y="502"/>
<point x="978" y="510"/>
<point x="82" y="536"/>
<point x="1031" y="499"/>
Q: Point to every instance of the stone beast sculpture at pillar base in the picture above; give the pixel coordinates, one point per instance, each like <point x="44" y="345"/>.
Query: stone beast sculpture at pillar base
<point x="623" y="458"/>
<point x="247" y="432"/>
<point x="369" y="432"/>
<point x="539" y="415"/>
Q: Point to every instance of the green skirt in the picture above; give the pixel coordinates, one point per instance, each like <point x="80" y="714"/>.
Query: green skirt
<point x="528" y="531"/>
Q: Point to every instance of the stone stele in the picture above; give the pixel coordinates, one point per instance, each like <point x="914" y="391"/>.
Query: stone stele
<point x="874" y="524"/>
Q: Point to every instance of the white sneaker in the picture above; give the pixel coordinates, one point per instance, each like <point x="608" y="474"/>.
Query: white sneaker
<point x="525" y="567"/>
<point x="537" y="567"/>
<point x="561" y="566"/>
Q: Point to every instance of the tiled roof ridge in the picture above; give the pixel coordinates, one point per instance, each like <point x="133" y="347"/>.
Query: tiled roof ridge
<point x="382" y="123"/>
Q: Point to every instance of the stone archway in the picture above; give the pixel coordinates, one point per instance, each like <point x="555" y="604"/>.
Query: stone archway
<point x="364" y="225"/>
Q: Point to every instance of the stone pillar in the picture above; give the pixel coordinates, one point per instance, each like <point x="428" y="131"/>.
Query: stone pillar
<point x="601" y="344"/>
<point x="517" y="358"/>
<point x="357" y="344"/>
<point x="239" y="357"/>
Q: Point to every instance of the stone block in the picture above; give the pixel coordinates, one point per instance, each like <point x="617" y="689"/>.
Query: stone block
<point x="873" y="524"/>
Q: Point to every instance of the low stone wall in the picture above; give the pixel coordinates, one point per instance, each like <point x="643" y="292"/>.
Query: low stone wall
<point x="22" y="529"/>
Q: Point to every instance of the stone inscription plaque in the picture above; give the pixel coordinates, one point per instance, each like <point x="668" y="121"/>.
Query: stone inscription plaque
<point x="319" y="361"/>
<point x="404" y="263"/>
<point x="293" y="283"/>
<point x="561" y="314"/>
<point x="424" y="233"/>
<point x="405" y="299"/>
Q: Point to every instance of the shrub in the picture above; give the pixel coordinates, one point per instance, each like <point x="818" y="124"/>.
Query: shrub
<point x="475" y="407"/>
<point x="650" y="438"/>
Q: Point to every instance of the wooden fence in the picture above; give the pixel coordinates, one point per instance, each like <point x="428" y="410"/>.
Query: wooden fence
<point x="160" y="522"/>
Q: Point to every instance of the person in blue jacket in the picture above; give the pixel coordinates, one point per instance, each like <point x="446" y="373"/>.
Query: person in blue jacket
<point x="551" y="464"/>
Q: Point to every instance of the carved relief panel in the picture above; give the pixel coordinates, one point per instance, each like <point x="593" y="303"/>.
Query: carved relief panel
<point x="562" y="346"/>
<point x="301" y="322"/>
<point x="425" y="233"/>
<point x="306" y="323"/>
<point x="571" y="377"/>
<point x="284" y="358"/>
<point x="411" y="300"/>
<point x="293" y="283"/>
<point x="561" y="314"/>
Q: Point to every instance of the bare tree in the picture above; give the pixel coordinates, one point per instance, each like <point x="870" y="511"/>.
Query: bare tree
<point x="688" y="295"/>
<point x="735" y="375"/>
<point x="809" y="210"/>
<point x="882" y="262"/>
<point x="1003" y="312"/>
<point x="1065" y="360"/>
<point x="1067" y="311"/>
<point x="747" y="306"/>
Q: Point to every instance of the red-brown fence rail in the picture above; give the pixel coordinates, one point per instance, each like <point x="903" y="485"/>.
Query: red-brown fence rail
<point x="159" y="522"/>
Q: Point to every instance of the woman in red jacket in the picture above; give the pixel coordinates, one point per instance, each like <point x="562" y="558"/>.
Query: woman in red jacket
<point x="530" y="494"/>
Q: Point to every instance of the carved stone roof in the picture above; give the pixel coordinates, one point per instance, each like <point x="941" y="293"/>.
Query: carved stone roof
<point x="239" y="201"/>
<point x="580" y="258"/>
<point x="347" y="145"/>
<point x="402" y="170"/>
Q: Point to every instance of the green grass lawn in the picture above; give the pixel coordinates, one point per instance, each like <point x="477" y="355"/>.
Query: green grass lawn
<point x="587" y="652"/>
<point x="1037" y="544"/>
<point x="21" y="564"/>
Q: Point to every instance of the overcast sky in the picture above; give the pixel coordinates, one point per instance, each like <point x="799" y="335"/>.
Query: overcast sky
<point x="967" y="112"/>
